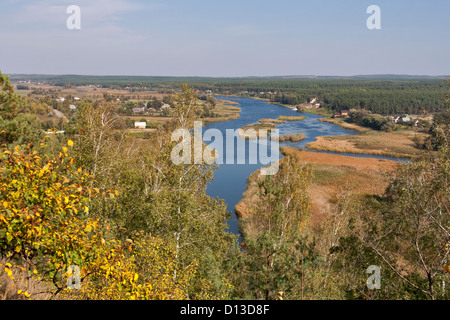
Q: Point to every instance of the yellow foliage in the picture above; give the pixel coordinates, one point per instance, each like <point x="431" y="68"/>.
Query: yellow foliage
<point x="44" y="218"/>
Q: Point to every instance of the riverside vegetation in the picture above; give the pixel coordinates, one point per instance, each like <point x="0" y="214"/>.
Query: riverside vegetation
<point x="140" y="227"/>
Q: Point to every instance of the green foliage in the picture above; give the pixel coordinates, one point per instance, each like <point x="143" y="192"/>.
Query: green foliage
<point x="367" y="119"/>
<point x="15" y="126"/>
<point x="280" y="259"/>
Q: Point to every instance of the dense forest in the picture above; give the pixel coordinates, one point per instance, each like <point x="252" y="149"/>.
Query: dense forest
<point x="115" y="218"/>
<point x="388" y="95"/>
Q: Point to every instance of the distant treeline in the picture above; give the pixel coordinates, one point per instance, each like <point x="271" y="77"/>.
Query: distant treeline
<point x="386" y="96"/>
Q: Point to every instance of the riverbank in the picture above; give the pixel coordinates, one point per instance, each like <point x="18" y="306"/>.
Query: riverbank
<point x="226" y="110"/>
<point x="396" y="145"/>
<point x="332" y="175"/>
<point x="346" y="125"/>
<point x="256" y="130"/>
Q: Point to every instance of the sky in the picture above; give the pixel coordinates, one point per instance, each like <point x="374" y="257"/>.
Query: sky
<point x="225" y="38"/>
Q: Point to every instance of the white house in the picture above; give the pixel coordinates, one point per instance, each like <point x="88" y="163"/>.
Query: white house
<point x="140" y="125"/>
<point x="76" y="98"/>
<point x="165" y="106"/>
<point x="72" y="107"/>
<point x="60" y="99"/>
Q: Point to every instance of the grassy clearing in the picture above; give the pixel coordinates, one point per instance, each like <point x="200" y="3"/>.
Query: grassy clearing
<point x="373" y="142"/>
<point x="292" y="118"/>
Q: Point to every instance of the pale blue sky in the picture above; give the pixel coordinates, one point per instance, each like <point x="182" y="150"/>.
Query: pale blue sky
<point x="225" y="38"/>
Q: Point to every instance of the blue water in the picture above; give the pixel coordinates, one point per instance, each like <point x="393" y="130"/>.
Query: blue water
<point x="230" y="180"/>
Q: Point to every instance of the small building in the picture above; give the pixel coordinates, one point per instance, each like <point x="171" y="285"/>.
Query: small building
<point x="165" y="106"/>
<point x="336" y="115"/>
<point x="344" y="113"/>
<point x="313" y="100"/>
<point x="60" y="99"/>
<point x="138" y="110"/>
<point x="73" y="107"/>
<point x="140" y="125"/>
<point x="76" y="98"/>
<point x="317" y="105"/>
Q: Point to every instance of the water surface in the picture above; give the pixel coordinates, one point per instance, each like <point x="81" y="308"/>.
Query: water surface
<point x="230" y="180"/>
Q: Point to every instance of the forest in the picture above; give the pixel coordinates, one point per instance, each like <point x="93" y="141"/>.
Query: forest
<point x="112" y="216"/>
<point x="386" y="95"/>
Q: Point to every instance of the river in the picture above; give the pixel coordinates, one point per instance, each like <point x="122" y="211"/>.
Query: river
<point x="230" y="180"/>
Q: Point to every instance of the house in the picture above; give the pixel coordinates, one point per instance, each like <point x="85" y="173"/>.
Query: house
<point x="336" y="115"/>
<point x="165" y="106"/>
<point x="140" y="125"/>
<point x="76" y="98"/>
<point x="313" y="100"/>
<point x="60" y="99"/>
<point x="317" y="105"/>
<point x="151" y="109"/>
<point x="73" y="107"/>
<point x="344" y="113"/>
<point x="138" y="110"/>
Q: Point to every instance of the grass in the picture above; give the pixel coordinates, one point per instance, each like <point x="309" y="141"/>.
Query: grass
<point x="256" y="130"/>
<point x="271" y="121"/>
<point x="372" y="142"/>
<point x="292" y="118"/>
<point x="292" y="137"/>
<point x="332" y="174"/>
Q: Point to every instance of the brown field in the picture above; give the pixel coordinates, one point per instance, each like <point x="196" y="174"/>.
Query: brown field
<point x="373" y="142"/>
<point x="93" y="92"/>
<point x="332" y="174"/>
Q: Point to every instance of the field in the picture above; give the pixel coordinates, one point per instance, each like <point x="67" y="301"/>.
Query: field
<point x="372" y="142"/>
